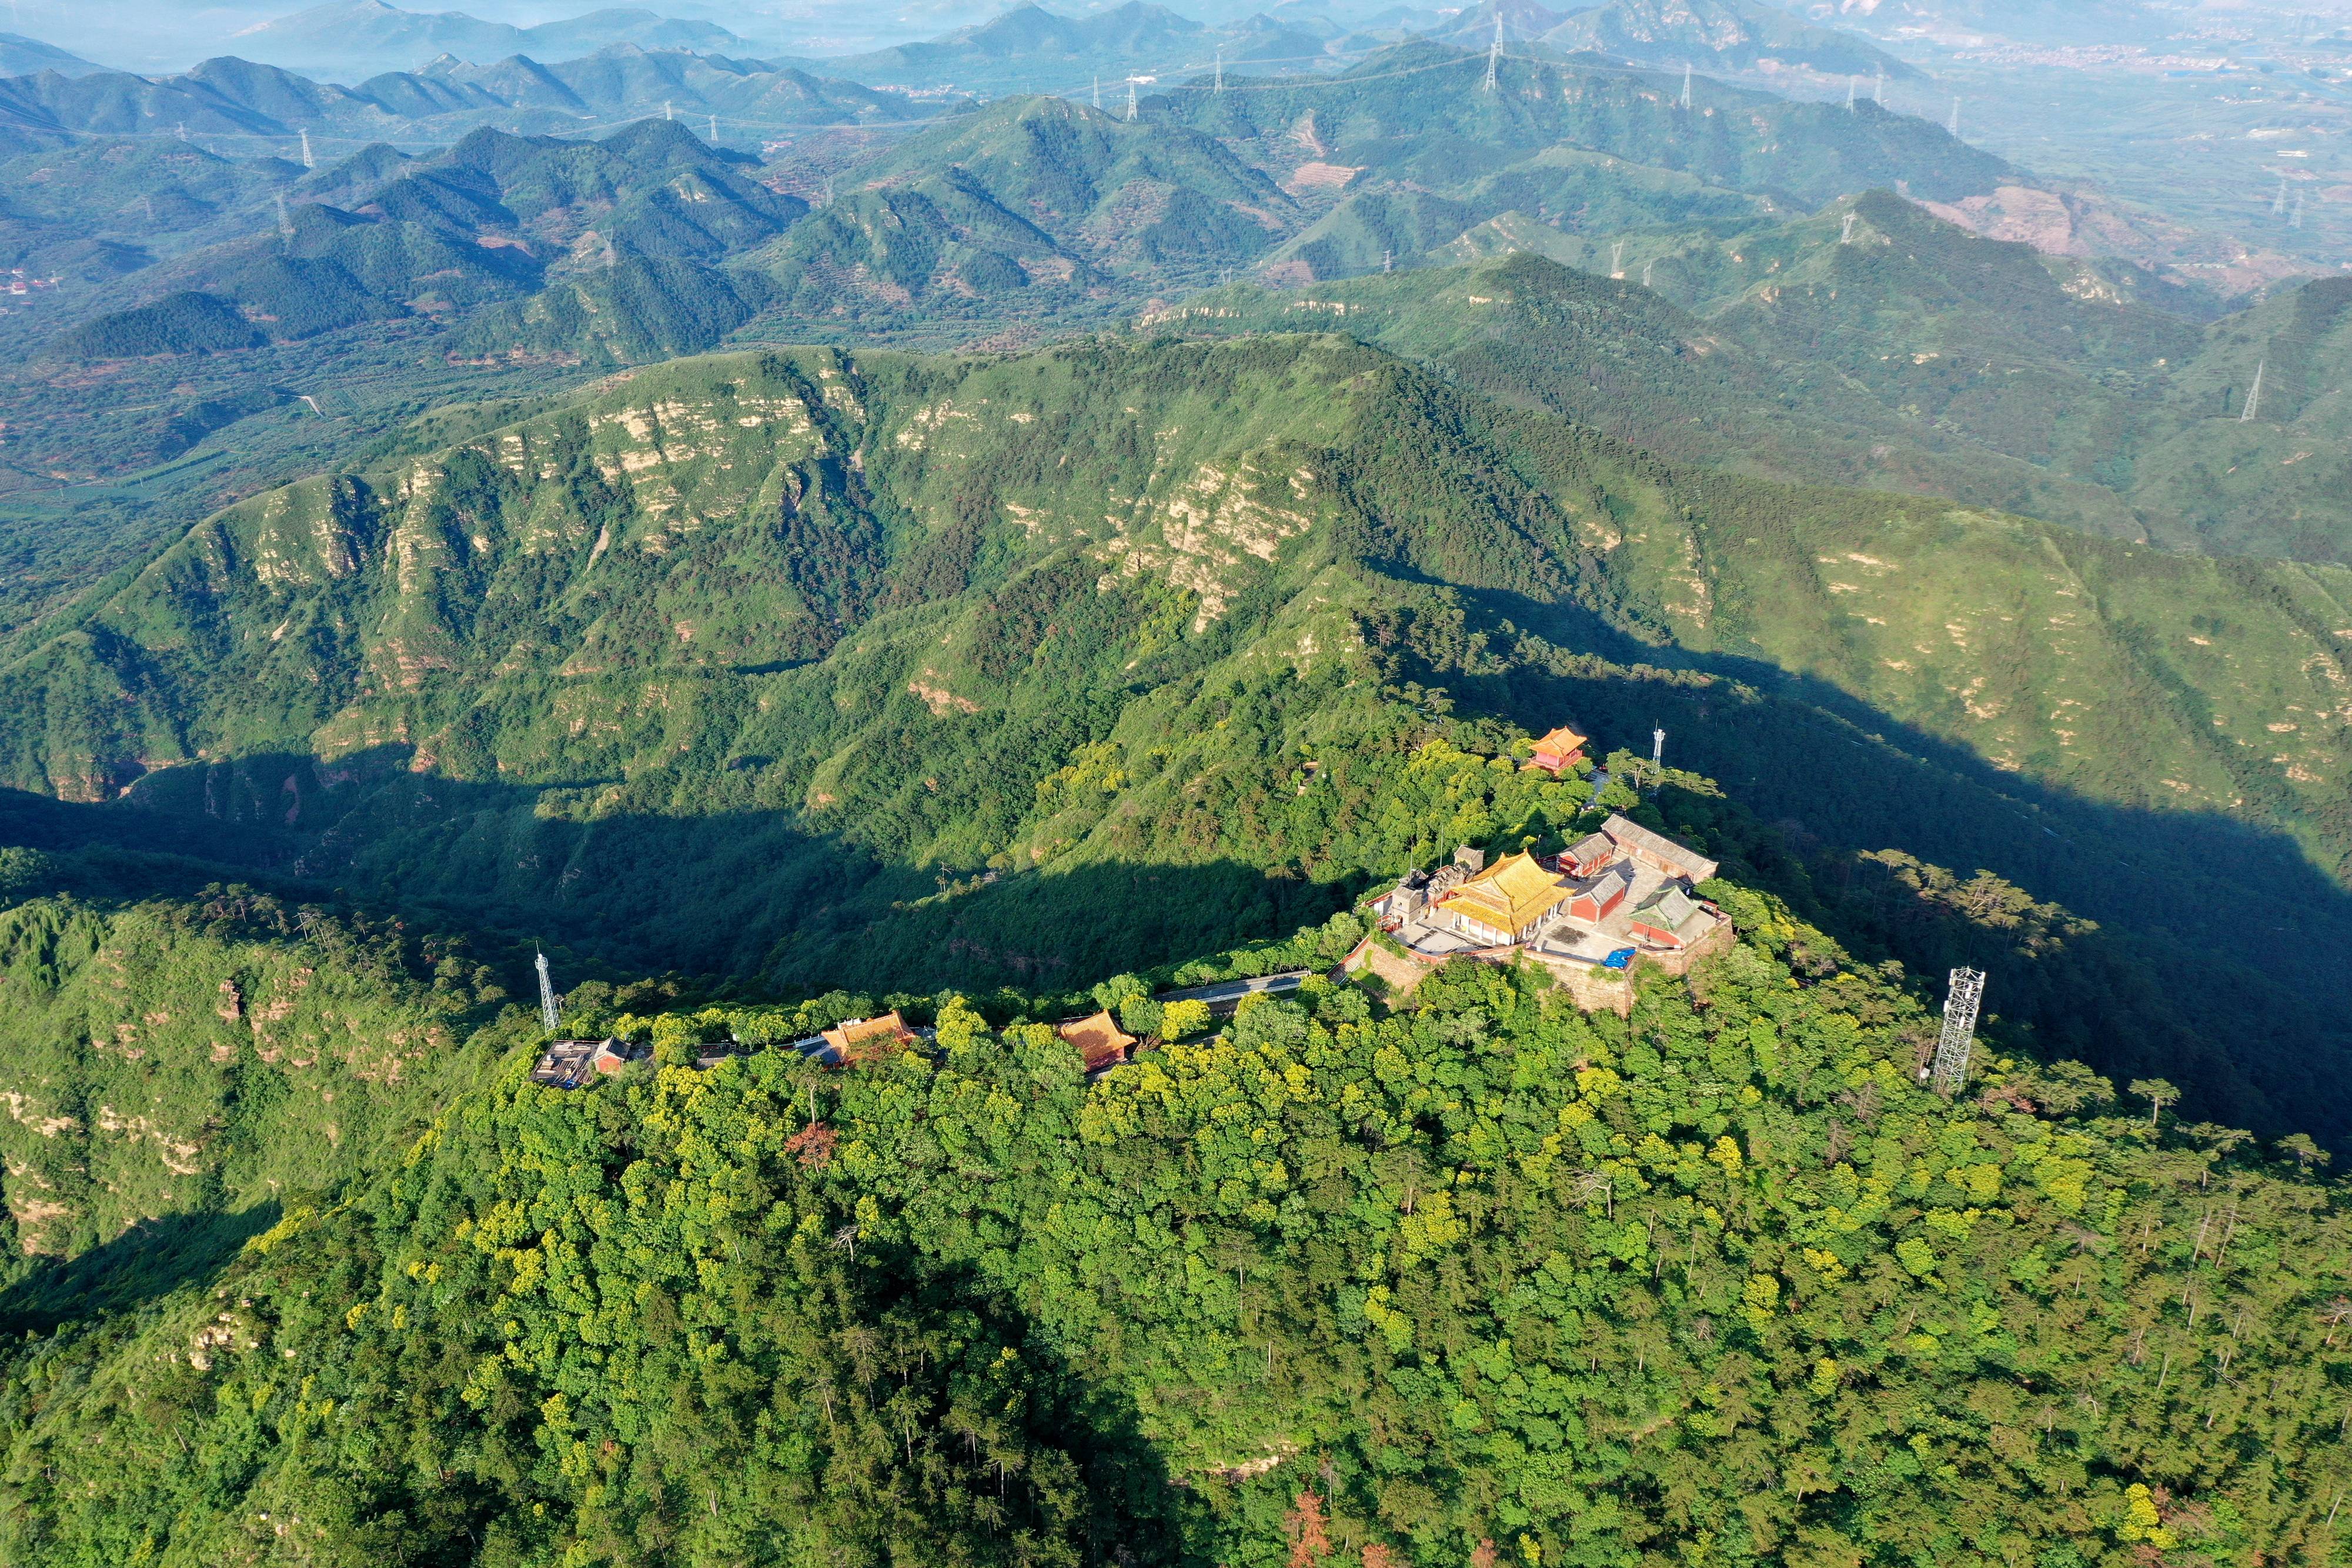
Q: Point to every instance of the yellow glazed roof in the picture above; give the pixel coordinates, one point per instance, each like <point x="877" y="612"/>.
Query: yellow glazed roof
<point x="1510" y="894"/>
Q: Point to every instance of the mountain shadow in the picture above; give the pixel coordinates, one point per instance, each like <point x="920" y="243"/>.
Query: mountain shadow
<point x="146" y="1263"/>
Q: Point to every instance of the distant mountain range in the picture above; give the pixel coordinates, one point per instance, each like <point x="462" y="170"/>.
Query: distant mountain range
<point x="252" y="108"/>
<point x="350" y="39"/>
<point x="1729" y="35"/>
<point x="23" y="57"/>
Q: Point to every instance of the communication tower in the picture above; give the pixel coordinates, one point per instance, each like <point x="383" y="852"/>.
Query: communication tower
<point x="1959" y="1036"/>
<point x="548" y="1015"/>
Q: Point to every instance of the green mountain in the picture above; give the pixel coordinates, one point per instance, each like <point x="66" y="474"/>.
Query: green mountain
<point x="1027" y="205"/>
<point x="1608" y="353"/>
<point x="2130" y="411"/>
<point x="912" y="672"/>
<point x="490" y="219"/>
<point x="1417" y="113"/>
<point x="1479" y="1273"/>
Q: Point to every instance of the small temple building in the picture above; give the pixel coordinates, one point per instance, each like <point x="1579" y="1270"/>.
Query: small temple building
<point x="856" y="1040"/>
<point x="1558" y="751"/>
<point x="1099" y="1039"/>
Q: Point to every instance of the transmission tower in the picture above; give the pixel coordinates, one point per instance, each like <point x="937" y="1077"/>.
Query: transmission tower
<point x="548" y="1015"/>
<point x="1852" y="84"/>
<point x="1881" y="94"/>
<point x="2254" y="398"/>
<point x="1130" y="98"/>
<point x="1617" y="260"/>
<point x="1494" y="54"/>
<point x="2297" y="220"/>
<point x="307" y="160"/>
<point x="1959" y="1036"/>
<point x="714" y="130"/>
<point x="1687" y="79"/>
<point x="285" y="224"/>
<point x="1955" y="120"/>
<point x="1221" y="70"/>
<point x="1847" y="237"/>
<point x="666" y="111"/>
<point x="2278" y="202"/>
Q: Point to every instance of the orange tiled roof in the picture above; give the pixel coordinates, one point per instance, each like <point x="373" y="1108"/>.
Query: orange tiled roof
<point x="1098" y="1038"/>
<point x="1562" y="742"/>
<point x="862" y="1039"/>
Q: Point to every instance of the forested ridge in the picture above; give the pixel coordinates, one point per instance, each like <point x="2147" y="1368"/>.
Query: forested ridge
<point x="1482" y="1279"/>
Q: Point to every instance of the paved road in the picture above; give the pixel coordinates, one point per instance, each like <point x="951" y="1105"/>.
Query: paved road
<point x="1227" y="995"/>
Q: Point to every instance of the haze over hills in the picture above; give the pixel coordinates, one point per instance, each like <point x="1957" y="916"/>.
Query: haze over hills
<point x="348" y="39"/>
<point x="1743" y="35"/>
<point x="248" y="110"/>
<point x="21" y="55"/>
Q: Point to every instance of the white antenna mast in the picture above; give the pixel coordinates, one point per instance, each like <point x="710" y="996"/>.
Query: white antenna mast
<point x="1658" y="751"/>
<point x="1493" y="52"/>
<point x="1959" y="1036"/>
<point x="306" y="162"/>
<point x="2254" y="398"/>
<point x="548" y="1015"/>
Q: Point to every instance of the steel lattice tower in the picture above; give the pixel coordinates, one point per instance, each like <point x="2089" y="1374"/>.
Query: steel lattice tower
<point x="1959" y="1036"/>
<point x="547" y="1013"/>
